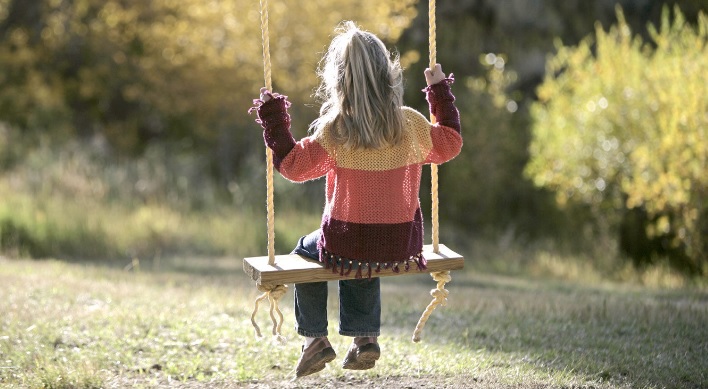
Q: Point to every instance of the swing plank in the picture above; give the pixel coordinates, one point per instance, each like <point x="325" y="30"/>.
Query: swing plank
<point x="294" y="269"/>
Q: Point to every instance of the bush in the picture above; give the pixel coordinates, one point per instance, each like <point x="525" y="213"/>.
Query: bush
<point x="621" y="125"/>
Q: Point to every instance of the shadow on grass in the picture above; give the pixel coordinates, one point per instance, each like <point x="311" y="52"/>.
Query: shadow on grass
<point x="615" y="334"/>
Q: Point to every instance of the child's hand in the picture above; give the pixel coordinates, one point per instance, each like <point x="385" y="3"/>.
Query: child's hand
<point x="267" y="95"/>
<point x="435" y="75"/>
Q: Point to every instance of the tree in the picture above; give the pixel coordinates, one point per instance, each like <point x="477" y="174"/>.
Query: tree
<point x="621" y="125"/>
<point x="133" y="71"/>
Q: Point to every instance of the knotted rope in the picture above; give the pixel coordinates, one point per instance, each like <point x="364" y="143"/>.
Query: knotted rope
<point x="439" y="298"/>
<point x="272" y="292"/>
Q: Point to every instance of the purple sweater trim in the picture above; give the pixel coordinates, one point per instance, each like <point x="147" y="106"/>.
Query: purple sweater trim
<point x="385" y="243"/>
<point x="344" y="266"/>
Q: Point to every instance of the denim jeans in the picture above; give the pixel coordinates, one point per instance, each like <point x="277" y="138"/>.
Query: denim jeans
<point x="359" y="301"/>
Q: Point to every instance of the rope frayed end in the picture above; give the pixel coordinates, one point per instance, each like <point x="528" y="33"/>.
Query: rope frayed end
<point x="273" y="293"/>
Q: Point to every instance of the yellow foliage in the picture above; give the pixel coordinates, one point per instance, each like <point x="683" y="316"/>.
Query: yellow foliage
<point x="629" y="122"/>
<point x="183" y="65"/>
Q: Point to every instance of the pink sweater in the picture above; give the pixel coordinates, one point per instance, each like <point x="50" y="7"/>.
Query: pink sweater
<point x="372" y="214"/>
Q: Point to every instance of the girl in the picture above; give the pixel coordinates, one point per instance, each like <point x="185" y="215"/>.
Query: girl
<point x="371" y="148"/>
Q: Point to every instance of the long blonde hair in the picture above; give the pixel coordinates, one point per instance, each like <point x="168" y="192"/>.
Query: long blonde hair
<point x="361" y="89"/>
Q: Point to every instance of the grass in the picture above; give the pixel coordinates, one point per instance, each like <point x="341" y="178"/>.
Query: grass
<point x="187" y="324"/>
<point x="38" y="226"/>
<point x="161" y="300"/>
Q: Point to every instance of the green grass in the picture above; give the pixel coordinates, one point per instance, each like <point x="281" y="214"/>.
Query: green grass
<point x="188" y="324"/>
<point x="40" y="226"/>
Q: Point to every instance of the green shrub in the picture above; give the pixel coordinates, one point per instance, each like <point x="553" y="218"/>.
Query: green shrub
<point x="621" y="125"/>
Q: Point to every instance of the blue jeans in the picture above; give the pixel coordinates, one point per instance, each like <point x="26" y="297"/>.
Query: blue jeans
<point x="359" y="301"/>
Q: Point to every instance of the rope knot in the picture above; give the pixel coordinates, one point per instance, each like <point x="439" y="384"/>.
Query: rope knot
<point x="441" y="276"/>
<point x="273" y="293"/>
<point x="439" y="295"/>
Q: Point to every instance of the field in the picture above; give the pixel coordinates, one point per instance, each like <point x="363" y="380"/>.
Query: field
<point x="185" y="322"/>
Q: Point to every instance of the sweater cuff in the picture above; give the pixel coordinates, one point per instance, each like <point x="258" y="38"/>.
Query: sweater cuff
<point x="274" y="118"/>
<point x="441" y="103"/>
<point x="272" y="112"/>
<point x="445" y="82"/>
<point x="439" y="92"/>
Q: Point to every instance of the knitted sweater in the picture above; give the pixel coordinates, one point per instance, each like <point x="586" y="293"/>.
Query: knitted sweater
<point x="372" y="218"/>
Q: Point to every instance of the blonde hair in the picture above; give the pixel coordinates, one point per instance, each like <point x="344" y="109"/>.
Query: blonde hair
<point x="361" y="89"/>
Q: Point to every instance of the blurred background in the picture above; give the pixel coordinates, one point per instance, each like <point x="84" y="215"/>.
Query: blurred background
<point x="124" y="131"/>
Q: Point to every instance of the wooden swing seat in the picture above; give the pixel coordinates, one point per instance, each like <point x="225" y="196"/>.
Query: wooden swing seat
<point x="295" y="269"/>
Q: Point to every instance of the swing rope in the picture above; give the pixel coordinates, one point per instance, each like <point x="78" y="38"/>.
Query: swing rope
<point x="270" y="221"/>
<point x="439" y="293"/>
<point x="272" y="292"/>
<point x="432" y="48"/>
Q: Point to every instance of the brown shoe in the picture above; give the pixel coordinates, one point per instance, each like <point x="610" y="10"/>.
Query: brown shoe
<point x="363" y="354"/>
<point x="314" y="357"/>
